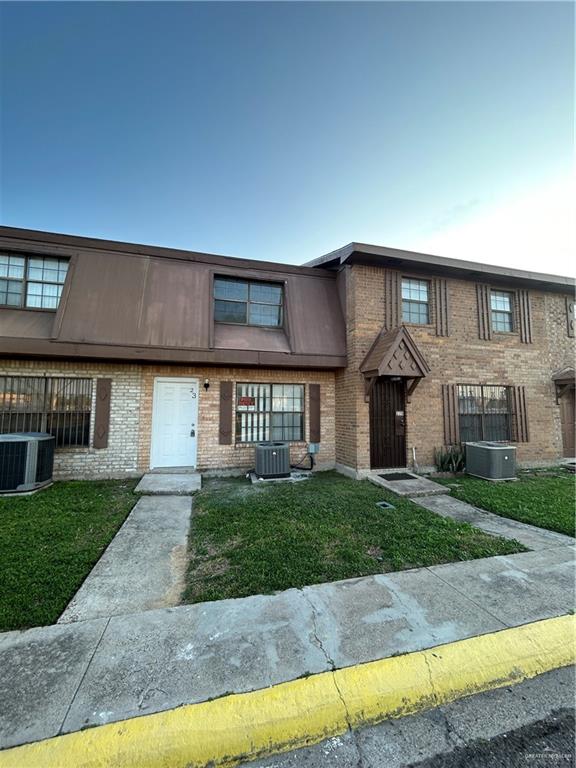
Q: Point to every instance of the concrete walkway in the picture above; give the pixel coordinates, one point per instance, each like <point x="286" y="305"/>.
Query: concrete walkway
<point x="528" y="535"/>
<point x="144" y="566"/>
<point x="68" y="676"/>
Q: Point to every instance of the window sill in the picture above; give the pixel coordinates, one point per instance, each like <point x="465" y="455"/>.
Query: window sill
<point x="28" y="309"/>
<point x="418" y="325"/>
<point x="251" y="325"/>
<point x="296" y="443"/>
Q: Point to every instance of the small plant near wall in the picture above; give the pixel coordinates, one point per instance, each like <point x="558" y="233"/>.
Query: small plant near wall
<point x="450" y="459"/>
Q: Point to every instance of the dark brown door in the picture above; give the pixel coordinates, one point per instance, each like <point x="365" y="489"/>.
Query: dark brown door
<point x="387" y="440"/>
<point x="567" y="418"/>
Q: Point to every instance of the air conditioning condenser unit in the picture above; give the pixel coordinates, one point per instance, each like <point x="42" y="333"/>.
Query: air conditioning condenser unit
<point x="272" y="460"/>
<point x="26" y="461"/>
<point x="491" y="461"/>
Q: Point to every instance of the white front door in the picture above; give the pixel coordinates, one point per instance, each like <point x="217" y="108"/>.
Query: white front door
<point x="174" y="423"/>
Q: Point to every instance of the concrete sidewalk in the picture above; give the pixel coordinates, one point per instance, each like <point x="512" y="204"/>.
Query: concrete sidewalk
<point x="530" y="536"/>
<point x="65" y="677"/>
<point x="143" y="567"/>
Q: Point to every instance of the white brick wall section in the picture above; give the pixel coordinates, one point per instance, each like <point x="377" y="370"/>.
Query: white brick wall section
<point x="120" y="458"/>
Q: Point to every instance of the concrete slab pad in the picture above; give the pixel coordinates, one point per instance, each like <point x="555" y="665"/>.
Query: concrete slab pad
<point x="144" y="567"/>
<point x="170" y="483"/>
<point x="161" y="659"/>
<point x="373" y="617"/>
<point x="508" y="593"/>
<point x="415" y="486"/>
<point x="40" y="670"/>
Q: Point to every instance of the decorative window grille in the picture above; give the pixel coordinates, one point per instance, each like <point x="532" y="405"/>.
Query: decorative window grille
<point x="58" y="406"/>
<point x="415" y="301"/>
<point x="269" y="412"/>
<point x="485" y="412"/>
<point x="31" y="281"/>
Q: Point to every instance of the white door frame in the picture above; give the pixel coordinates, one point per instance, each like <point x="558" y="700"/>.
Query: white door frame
<point x="180" y="380"/>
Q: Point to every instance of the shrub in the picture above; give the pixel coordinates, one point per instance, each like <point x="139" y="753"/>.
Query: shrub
<point x="450" y="459"/>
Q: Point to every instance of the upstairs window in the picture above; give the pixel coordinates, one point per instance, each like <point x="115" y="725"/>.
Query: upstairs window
<point x="247" y="303"/>
<point x="31" y="281"/>
<point x="501" y="305"/>
<point x="484" y="413"/>
<point x="59" y="406"/>
<point x="415" y="301"/>
<point x="269" y="412"/>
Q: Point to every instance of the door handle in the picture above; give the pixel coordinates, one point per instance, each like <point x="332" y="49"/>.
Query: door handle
<point x="192" y="432"/>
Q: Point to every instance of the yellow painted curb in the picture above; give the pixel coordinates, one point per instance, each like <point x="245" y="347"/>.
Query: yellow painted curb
<point x="305" y="711"/>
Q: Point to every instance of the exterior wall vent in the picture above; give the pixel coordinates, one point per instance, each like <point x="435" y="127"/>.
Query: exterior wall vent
<point x="272" y="460"/>
<point x="491" y="461"/>
<point x="26" y="461"/>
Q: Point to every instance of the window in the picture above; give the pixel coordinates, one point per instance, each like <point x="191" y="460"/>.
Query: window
<point x="484" y="412"/>
<point x="415" y="307"/>
<point x="269" y="412"/>
<point x="31" y="281"/>
<point x="501" y="304"/>
<point x="238" y="301"/>
<point x="58" y="406"/>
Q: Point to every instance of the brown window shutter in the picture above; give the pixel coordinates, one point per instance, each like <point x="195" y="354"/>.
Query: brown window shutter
<point x="484" y="312"/>
<point x="314" y="396"/>
<point x="451" y="419"/>
<point x="102" y="415"/>
<point x="570" y="315"/>
<point x="525" y="317"/>
<point x="520" y="432"/>
<point x="226" y="400"/>
<point x="442" y="309"/>
<point x="392" y="299"/>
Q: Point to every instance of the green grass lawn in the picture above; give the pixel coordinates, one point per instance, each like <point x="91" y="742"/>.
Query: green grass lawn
<point x="50" y="541"/>
<point x="542" y="497"/>
<point x="249" y="540"/>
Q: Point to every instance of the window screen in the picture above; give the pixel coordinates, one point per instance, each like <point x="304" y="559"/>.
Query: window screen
<point x="247" y="303"/>
<point x="31" y="281"/>
<point x="501" y="305"/>
<point x="415" y="306"/>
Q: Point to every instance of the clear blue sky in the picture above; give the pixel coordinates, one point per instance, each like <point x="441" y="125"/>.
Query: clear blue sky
<point x="278" y="130"/>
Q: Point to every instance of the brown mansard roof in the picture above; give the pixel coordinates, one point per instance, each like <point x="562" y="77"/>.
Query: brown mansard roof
<point x="124" y="301"/>
<point x="377" y="255"/>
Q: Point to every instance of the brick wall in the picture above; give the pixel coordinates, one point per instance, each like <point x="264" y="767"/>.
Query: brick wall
<point x="212" y="455"/>
<point x="459" y="358"/>
<point x="120" y="458"/>
<point x="128" y="451"/>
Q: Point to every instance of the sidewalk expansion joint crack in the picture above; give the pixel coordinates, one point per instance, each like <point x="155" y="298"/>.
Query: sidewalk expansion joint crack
<point x="481" y="608"/>
<point x="317" y="641"/>
<point x="83" y="675"/>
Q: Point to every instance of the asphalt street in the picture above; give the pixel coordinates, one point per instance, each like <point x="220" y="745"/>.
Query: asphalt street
<point x="546" y="743"/>
<point x="529" y="725"/>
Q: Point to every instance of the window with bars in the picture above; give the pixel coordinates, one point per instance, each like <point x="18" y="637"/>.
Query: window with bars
<point x="485" y="412"/>
<point x="31" y="281"/>
<point x="246" y="303"/>
<point x="415" y="301"/>
<point x="58" y="406"/>
<point x="502" y="308"/>
<point x="269" y="412"/>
